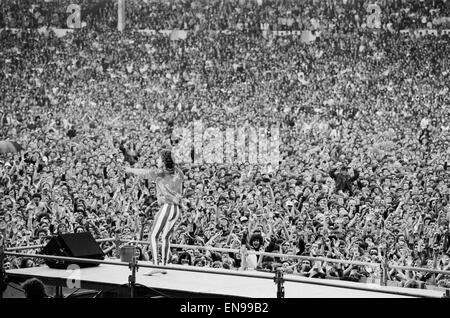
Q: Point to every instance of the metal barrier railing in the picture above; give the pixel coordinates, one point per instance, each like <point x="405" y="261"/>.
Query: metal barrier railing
<point x="24" y="248"/>
<point x="32" y="247"/>
<point x="384" y="266"/>
<point x="229" y="250"/>
<point x="278" y="278"/>
<point x="420" y="269"/>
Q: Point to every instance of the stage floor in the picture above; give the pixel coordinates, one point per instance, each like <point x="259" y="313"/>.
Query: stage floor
<point x="215" y="285"/>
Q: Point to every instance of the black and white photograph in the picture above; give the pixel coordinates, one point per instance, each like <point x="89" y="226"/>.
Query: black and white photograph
<point x="250" y="150"/>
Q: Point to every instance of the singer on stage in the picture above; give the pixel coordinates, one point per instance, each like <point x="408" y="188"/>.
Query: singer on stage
<point x="169" y="186"/>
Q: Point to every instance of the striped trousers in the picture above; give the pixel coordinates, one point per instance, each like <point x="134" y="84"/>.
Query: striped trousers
<point x="163" y="225"/>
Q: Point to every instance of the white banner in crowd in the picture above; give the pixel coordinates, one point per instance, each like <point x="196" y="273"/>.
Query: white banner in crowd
<point x="153" y="32"/>
<point x="441" y="20"/>
<point x="178" y="35"/>
<point x="43" y="30"/>
<point x="424" y="32"/>
<point x="306" y="36"/>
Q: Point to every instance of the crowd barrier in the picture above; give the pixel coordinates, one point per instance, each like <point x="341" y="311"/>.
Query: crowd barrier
<point x="383" y="266"/>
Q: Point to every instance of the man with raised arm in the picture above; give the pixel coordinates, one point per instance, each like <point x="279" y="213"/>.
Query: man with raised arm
<point x="169" y="187"/>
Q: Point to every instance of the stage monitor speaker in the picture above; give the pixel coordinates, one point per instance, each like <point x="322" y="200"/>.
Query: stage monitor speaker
<point x="77" y="245"/>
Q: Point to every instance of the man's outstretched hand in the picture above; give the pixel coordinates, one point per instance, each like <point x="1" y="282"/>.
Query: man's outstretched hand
<point x="125" y="170"/>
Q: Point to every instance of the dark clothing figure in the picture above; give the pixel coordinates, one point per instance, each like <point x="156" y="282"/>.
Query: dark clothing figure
<point x="343" y="179"/>
<point x="130" y="156"/>
<point x="34" y="289"/>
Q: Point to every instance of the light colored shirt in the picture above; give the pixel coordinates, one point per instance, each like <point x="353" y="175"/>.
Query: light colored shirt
<point x="169" y="186"/>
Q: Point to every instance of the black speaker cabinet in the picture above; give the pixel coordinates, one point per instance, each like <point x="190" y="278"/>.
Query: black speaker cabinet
<point x="77" y="245"/>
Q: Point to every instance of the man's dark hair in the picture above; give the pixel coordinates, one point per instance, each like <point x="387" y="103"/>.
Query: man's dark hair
<point x="166" y="156"/>
<point x="185" y="256"/>
<point x="34" y="289"/>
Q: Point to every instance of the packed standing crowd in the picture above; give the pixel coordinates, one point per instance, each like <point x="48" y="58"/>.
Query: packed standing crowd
<point x="363" y="122"/>
<point x="341" y="15"/>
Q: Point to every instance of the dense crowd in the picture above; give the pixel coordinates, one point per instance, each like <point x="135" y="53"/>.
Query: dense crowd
<point x="344" y="16"/>
<point x="363" y="131"/>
